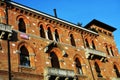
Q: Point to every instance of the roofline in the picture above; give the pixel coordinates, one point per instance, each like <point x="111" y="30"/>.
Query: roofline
<point x="47" y="15"/>
<point x="94" y="21"/>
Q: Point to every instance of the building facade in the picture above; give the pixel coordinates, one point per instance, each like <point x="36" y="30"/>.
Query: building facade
<point x="43" y="47"/>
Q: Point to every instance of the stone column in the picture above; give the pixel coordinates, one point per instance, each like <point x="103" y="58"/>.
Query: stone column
<point x="47" y="77"/>
<point x="66" y="78"/>
<point x="57" y="78"/>
<point x="74" y="79"/>
<point x="53" y="34"/>
<point x="46" y="31"/>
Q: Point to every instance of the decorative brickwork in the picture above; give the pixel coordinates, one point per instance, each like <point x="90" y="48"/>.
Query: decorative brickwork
<point x="43" y="47"/>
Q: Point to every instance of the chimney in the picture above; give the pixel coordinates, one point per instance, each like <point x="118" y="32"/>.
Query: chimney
<point x="55" y="14"/>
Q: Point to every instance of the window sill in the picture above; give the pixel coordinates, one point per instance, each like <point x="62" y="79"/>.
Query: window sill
<point x="26" y="67"/>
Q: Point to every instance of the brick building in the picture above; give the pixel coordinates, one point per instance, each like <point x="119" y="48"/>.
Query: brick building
<point x="44" y="47"/>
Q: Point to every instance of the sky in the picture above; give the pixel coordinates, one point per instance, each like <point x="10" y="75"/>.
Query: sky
<point x="82" y="11"/>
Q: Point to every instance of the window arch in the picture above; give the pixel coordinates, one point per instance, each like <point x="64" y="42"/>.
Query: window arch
<point x="54" y="60"/>
<point x="116" y="71"/>
<point x="50" y="37"/>
<point x="24" y="56"/>
<point x="93" y="45"/>
<point x="56" y="35"/>
<point x="72" y="40"/>
<point x="21" y="25"/>
<point x="78" y="66"/>
<point x="86" y="43"/>
<point x="98" y="71"/>
<point x="42" y="32"/>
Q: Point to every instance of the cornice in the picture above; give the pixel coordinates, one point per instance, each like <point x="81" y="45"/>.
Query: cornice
<point x="46" y="17"/>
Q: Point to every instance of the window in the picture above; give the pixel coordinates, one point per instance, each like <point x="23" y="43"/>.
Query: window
<point x="78" y="66"/>
<point x="86" y="43"/>
<point x="21" y="25"/>
<point x="42" y="33"/>
<point x="116" y="71"/>
<point x="56" y="35"/>
<point x="50" y="34"/>
<point x="24" y="57"/>
<point x="98" y="71"/>
<point x="72" y="40"/>
<point x="107" y="50"/>
<point x="93" y="45"/>
<point x="54" y="60"/>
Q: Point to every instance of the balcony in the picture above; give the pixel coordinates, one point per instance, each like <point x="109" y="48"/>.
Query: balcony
<point x="59" y="72"/>
<point x="115" y="79"/>
<point x="5" y="27"/>
<point x="101" y="78"/>
<point x="92" y="53"/>
<point x="5" y="31"/>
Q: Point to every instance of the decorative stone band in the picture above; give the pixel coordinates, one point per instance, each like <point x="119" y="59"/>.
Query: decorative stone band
<point x="95" y="52"/>
<point x="5" y="27"/>
<point x="59" y="72"/>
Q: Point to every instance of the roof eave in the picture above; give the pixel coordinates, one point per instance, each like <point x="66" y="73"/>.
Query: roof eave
<point x="38" y="12"/>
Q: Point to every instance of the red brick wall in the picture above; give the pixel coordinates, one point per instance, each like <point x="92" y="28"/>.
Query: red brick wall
<point x="36" y="46"/>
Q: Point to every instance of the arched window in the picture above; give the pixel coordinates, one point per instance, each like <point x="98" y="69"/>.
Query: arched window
<point x="93" y="45"/>
<point x="42" y="32"/>
<point x="86" y="43"/>
<point x="111" y="51"/>
<point x="107" y="50"/>
<point x="72" y="40"/>
<point x="98" y="71"/>
<point x="50" y="37"/>
<point x="78" y="66"/>
<point x="56" y="35"/>
<point x="21" y="25"/>
<point x="24" y="56"/>
<point x="116" y="71"/>
<point x="54" y="60"/>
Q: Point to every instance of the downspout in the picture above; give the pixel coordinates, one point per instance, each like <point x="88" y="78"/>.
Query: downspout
<point x="8" y="42"/>
<point x="88" y="59"/>
<point x="91" y="69"/>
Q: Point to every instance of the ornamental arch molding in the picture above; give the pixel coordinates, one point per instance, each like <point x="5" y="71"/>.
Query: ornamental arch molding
<point x="27" y="45"/>
<point x="43" y="24"/>
<point x="27" y="22"/>
<point x="82" y="63"/>
<point x="31" y="53"/>
<point x="80" y="59"/>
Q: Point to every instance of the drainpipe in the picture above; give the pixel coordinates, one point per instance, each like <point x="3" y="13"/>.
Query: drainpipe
<point x="91" y="69"/>
<point x="8" y="42"/>
<point x="88" y="59"/>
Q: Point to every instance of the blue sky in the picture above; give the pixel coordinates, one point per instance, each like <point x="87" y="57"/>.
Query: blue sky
<point x="83" y="11"/>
